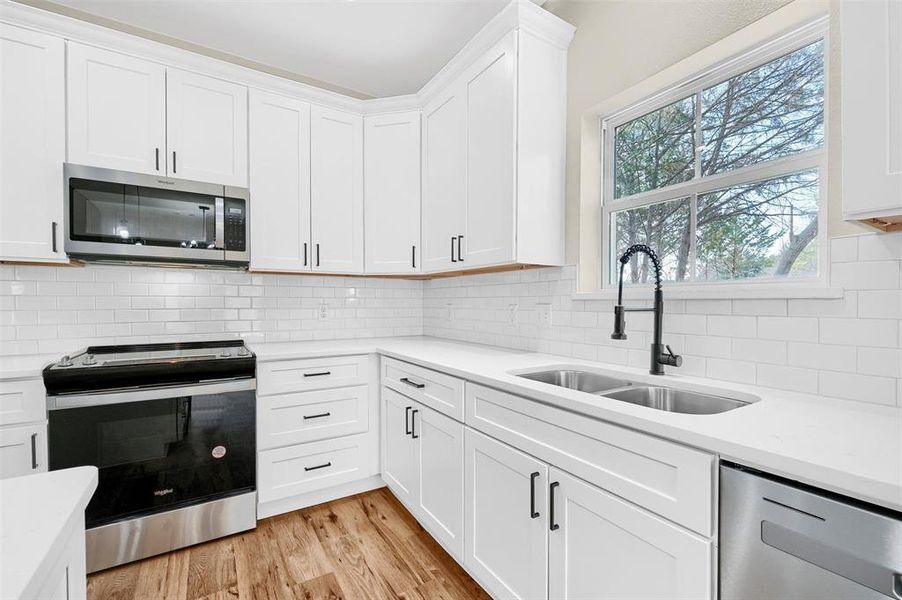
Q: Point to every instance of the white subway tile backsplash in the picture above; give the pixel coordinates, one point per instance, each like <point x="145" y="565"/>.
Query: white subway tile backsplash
<point x="822" y="356"/>
<point x="864" y="388"/>
<point x="844" y="249"/>
<point x="788" y="378"/>
<point x="860" y="332"/>
<point x="798" y="329"/>
<point x="873" y="275"/>
<point x="732" y="326"/>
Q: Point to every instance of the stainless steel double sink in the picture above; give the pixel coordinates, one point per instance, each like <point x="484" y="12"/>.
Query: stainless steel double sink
<point x="657" y="397"/>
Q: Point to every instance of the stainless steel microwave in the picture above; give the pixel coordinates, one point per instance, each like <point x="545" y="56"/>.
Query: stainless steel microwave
<point x="120" y="216"/>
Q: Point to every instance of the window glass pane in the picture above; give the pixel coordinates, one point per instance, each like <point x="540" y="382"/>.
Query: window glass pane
<point x="655" y="150"/>
<point x="664" y="228"/>
<point x="772" y="111"/>
<point x="761" y="229"/>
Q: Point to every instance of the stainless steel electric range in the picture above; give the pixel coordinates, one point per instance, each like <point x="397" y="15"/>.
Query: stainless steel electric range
<point x="171" y="427"/>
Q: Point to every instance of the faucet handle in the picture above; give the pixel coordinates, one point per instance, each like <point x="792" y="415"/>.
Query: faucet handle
<point x="674" y="360"/>
<point x="619" y="323"/>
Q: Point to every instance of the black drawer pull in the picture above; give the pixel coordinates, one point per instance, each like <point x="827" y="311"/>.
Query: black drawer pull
<point x="53" y="227"/>
<point x="173" y="161"/>
<point x="533" y="513"/>
<point x="460" y="245"/>
<point x="452" y="249"/>
<point x="320" y="374"/>
<point x="407" y="420"/>
<point x="34" y="451"/>
<point x="419" y="386"/>
<point x="319" y="416"/>
<point x="552" y="487"/>
<point x="305" y="254"/>
<point x="328" y="464"/>
<point x="413" y="423"/>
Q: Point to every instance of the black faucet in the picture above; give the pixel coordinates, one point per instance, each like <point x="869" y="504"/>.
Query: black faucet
<point x="659" y="358"/>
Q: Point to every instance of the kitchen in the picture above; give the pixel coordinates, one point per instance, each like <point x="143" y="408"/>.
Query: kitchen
<point x="450" y="299"/>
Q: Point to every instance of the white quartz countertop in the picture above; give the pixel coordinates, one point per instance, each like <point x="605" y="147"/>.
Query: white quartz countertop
<point x="852" y="448"/>
<point x="37" y="514"/>
<point x="26" y="366"/>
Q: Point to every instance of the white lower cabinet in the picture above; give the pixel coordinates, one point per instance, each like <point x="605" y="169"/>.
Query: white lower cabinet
<point x="603" y="548"/>
<point x="506" y="521"/>
<point x="23" y="450"/>
<point x="422" y="463"/>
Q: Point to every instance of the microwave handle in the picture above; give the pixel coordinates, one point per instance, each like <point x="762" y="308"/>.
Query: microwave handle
<point x="219" y="241"/>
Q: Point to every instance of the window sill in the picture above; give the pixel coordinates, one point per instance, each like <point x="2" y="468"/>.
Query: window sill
<point x="719" y="292"/>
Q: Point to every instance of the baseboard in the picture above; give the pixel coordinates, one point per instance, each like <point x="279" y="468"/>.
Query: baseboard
<point x="278" y="507"/>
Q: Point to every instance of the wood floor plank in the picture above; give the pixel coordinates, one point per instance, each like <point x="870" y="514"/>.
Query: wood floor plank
<point x="364" y="547"/>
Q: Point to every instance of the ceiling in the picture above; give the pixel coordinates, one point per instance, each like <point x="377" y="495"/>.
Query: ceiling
<point x="375" y="48"/>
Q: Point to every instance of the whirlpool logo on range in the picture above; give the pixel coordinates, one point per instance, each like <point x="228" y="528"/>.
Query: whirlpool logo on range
<point x="163" y="492"/>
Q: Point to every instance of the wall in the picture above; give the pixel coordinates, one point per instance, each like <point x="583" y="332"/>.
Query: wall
<point x="58" y="309"/>
<point x="846" y="348"/>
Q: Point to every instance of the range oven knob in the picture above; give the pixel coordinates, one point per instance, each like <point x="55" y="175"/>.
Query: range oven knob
<point x="89" y="360"/>
<point x="65" y="361"/>
<point x="242" y="351"/>
<point x="225" y="354"/>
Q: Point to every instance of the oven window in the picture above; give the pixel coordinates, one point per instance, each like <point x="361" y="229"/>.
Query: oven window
<point x="113" y="212"/>
<point x="157" y="455"/>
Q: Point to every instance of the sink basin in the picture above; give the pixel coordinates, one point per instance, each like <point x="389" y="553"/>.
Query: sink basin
<point x="678" y="401"/>
<point x="584" y="381"/>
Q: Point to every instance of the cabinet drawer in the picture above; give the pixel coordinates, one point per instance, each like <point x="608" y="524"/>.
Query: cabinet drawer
<point x="23" y="450"/>
<point x="22" y="401"/>
<point x="280" y="377"/>
<point x="667" y="478"/>
<point x="287" y="419"/>
<point x="436" y="390"/>
<point x="286" y="472"/>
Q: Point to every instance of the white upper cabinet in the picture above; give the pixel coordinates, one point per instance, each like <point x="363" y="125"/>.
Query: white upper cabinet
<point x="444" y="179"/>
<point x="872" y="111"/>
<point x="116" y="111"/>
<point x="206" y="128"/>
<point x="392" y="192"/>
<point x="279" y="182"/>
<point x="493" y="158"/>
<point x="491" y="91"/>
<point x="32" y="145"/>
<point x="336" y="190"/>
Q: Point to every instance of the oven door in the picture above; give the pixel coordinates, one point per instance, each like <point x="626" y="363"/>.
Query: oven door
<point x="157" y="449"/>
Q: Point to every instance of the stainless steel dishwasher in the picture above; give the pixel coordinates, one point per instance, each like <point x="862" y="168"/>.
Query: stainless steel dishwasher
<point x="784" y="540"/>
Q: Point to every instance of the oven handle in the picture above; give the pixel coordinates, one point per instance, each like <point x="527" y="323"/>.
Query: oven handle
<point x="219" y="224"/>
<point x="142" y="395"/>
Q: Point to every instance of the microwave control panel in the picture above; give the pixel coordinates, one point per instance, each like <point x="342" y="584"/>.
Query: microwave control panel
<point x="235" y="224"/>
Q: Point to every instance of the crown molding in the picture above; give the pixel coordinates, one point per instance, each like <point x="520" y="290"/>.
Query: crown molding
<point x="519" y="14"/>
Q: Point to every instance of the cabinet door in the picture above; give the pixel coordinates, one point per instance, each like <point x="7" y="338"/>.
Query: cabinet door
<point x="872" y="108"/>
<point x="23" y="450"/>
<point x="444" y="181"/>
<point x="116" y="110"/>
<point x="32" y="145"/>
<point x="206" y="128"/>
<point x="605" y="548"/>
<point x="399" y="467"/>
<point x="279" y="182"/>
<point x="505" y="518"/>
<point x="440" y="476"/>
<point x="392" y="192"/>
<point x="491" y="154"/>
<point x="336" y="190"/>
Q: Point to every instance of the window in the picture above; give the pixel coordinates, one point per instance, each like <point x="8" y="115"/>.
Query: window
<point x="723" y="176"/>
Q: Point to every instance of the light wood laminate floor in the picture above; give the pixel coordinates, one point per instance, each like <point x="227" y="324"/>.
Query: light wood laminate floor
<point x="363" y="546"/>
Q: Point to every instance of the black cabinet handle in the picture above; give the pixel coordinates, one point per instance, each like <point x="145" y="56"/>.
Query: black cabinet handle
<point x="407" y="420"/>
<point x="157" y="158"/>
<point x="319" y="416"/>
<point x="173" y="161"/>
<point x="317" y="255"/>
<point x="34" y="451"/>
<point x="413" y="257"/>
<point x="413" y="423"/>
<point x="53" y="227"/>
<point x="305" y="254"/>
<point x="552" y="487"/>
<point x="533" y="513"/>
<point x="419" y="386"/>
<point x="328" y="464"/>
<point x="452" y="249"/>
<point x="460" y="246"/>
<point x="320" y="374"/>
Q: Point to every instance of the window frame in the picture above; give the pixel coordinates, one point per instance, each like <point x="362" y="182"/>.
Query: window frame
<point x="719" y="72"/>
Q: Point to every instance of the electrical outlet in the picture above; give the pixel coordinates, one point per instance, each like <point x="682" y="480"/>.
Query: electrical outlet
<point x="513" y="314"/>
<point x="543" y="314"/>
<point x="449" y="313"/>
<point x="323" y="312"/>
